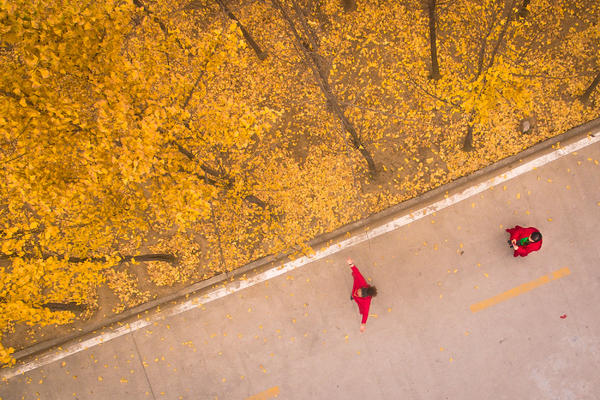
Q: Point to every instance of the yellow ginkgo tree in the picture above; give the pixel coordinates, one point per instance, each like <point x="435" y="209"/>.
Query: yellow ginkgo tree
<point x="105" y="141"/>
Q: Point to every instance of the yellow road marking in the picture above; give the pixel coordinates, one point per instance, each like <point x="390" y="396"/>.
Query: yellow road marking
<point x="267" y="394"/>
<point x="514" y="292"/>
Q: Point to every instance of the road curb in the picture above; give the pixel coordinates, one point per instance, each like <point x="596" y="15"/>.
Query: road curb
<point x="274" y="261"/>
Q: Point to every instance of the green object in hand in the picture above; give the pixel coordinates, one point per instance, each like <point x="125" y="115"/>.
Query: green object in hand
<point x="523" y="242"/>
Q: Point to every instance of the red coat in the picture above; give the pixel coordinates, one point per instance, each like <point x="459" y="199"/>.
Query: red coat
<point x="518" y="233"/>
<point x="363" y="302"/>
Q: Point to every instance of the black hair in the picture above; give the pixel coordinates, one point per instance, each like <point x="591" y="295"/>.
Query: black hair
<point x="536" y="236"/>
<point x="369" y="291"/>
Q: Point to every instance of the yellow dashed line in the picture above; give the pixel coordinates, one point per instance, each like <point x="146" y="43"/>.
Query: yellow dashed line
<point x="267" y="394"/>
<point x="524" y="288"/>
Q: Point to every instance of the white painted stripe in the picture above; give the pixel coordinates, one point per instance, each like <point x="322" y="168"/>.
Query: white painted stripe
<point x="299" y="262"/>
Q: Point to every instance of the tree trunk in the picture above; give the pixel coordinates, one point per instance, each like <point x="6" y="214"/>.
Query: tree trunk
<point x="249" y="39"/>
<point x="502" y="35"/>
<point x="313" y="40"/>
<point x="585" y="97"/>
<point x="166" y="257"/>
<point x="71" y="306"/>
<point x="170" y="258"/>
<point x="435" y="68"/>
<point x="211" y="171"/>
<point x="468" y="142"/>
<point x="523" y="11"/>
<point x="312" y="44"/>
<point x="317" y="70"/>
<point x="316" y="7"/>
<point x="483" y="48"/>
<point x="349" y="5"/>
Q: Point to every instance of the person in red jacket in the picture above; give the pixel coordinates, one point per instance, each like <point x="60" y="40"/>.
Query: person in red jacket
<point x="524" y="240"/>
<point x="362" y="293"/>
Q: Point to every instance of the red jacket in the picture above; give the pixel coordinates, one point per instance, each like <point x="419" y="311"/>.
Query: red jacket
<point x="518" y="233"/>
<point x="363" y="302"/>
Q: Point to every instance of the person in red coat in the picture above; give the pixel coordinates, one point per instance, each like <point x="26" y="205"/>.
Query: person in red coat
<point x="362" y="293"/>
<point x="524" y="240"/>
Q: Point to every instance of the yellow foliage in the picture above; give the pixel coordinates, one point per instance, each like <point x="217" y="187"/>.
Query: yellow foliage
<point x="124" y="285"/>
<point x="164" y="274"/>
<point x="124" y="128"/>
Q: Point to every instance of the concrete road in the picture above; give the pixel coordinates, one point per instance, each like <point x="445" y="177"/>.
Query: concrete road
<point x="457" y="316"/>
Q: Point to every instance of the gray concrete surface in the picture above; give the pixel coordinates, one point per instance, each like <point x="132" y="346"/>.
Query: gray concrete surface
<point x="299" y="332"/>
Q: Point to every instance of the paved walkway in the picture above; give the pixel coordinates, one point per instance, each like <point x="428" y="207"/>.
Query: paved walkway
<point x="457" y="317"/>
